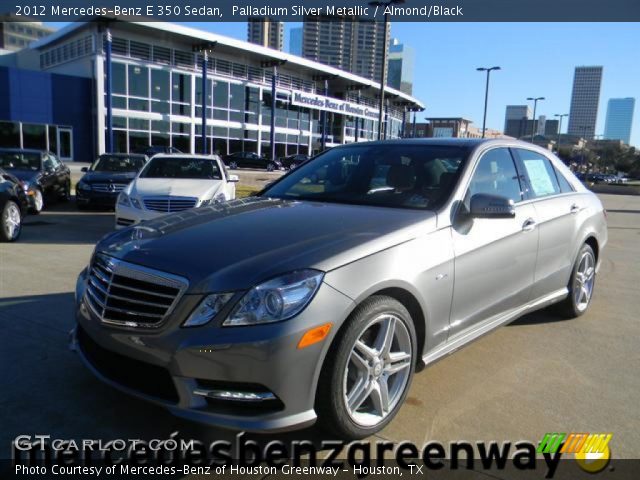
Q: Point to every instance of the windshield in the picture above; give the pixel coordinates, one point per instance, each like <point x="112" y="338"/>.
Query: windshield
<point x="116" y="163"/>
<point x="181" y="167"/>
<point x="387" y="175"/>
<point x="20" y="160"/>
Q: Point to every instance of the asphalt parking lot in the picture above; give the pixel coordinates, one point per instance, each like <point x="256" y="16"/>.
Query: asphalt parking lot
<point x="540" y="374"/>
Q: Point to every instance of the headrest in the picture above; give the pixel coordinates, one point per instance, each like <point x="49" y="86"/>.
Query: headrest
<point x="401" y="177"/>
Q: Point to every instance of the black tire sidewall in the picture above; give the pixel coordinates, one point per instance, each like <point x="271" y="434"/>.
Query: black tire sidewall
<point x="329" y="399"/>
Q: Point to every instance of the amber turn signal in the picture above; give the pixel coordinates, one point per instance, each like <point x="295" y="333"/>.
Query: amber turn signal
<point x="315" y="335"/>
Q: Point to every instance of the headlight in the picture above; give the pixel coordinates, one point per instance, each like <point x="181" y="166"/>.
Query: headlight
<point x="123" y="199"/>
<point x="208" y="309"/>
<point x="83" y="186"/>
<point x="277" y="299"/>
<point x="128" y="201"/>
<point x="25" y="186"/>
<point x="219" y="198"/>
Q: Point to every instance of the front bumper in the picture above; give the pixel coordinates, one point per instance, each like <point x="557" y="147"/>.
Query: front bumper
<point x="126" y="216"/>
<point x="171" y="366"/>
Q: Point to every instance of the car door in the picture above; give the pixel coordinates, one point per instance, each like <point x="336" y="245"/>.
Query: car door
<point x="557" y="208"/>
<point x="494" y="257"/>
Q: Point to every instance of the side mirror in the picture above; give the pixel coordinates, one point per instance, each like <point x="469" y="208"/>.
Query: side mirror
<point x="233" y="179"/>
<point x="492" y="206"/>
<point x="84" y="169"/>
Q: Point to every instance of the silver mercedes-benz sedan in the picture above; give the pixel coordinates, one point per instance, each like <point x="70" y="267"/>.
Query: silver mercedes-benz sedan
<point x="320" y="297"/>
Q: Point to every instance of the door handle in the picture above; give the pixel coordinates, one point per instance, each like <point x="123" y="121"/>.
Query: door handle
<point x="528" y="225"/>
<point x="575" y="208"/>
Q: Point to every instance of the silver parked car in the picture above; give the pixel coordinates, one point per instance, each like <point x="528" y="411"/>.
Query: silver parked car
<point x="320" y="297"/>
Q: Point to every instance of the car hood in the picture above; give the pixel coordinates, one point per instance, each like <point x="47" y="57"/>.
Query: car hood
<point x="151" y="187"/>
<point x="102" y="177"/>
<point x="24" y="175"/>
<point x="235" y="245"/>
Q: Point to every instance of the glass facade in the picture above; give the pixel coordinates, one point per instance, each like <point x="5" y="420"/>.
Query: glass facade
<point x="160" y="103"/>
<point x="36" y="136"/>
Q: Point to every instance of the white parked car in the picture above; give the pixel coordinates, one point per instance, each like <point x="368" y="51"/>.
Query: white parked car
<point x="172" y="183"/>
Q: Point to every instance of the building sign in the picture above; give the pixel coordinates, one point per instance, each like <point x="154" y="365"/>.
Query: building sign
<point x="319" y="102"/>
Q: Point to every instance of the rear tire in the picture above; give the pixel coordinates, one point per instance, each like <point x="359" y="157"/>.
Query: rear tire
<point x="233" y="165"/>
<point x="10" y="222"/>
<point x="368" y="370"/>
<point x="581" y="285"/>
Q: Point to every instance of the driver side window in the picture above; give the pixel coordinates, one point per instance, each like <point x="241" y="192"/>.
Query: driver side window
<point x="496" y="174"/>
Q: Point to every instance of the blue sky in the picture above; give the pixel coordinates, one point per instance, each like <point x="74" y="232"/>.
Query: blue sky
<point x="537" y="60"/>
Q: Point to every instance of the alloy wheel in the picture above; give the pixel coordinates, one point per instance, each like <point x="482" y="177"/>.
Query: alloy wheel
<point x="377" y="370"/>
<point x="270" y="167"/>
<point x="38" y="201"/>
<point x="583" y="281"/>
<point x="12" y="221"/>
<point x="233" y="165"/>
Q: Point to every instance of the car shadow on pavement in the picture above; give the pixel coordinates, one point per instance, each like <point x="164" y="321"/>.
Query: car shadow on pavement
<point x="63" y="223"/>
<point x="539" y="317"/>
<point x="47" y="390"/>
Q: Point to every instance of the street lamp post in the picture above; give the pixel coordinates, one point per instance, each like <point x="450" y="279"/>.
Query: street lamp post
<point x="383" y="70"/>
<point x="533" y="123"/>
<point x="560" y="116"/>
<point x="486" y="96"/>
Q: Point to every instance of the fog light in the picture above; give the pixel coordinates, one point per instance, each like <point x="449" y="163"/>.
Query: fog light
<point x="235" y="396"/>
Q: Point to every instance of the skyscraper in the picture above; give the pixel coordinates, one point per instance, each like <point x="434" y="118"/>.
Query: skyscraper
<point x="266" y="32"/>
<point x="619" y="119"/>
<point x="343" y="42"/>
<point x="401" y="64"/>
<point x="584" y="101"/>
<point x="295" y="41"/>
<point x="515" y="118"/>
<point x="15" y="35"/>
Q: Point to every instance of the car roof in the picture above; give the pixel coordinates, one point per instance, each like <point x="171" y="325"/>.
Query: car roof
<point x="120" y="154"/>
<point x="186" y="156"/>
<point x="22" y="150"/>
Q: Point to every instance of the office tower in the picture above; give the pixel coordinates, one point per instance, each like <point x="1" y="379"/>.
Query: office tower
<point x="515" y="120"/>
<point x="266" y="32"/>
<point x="401" y="66"/>
<point x="584" y="101"/>
<point x="343" y="42"/>
<point x="16" y="35"/>
<point x="295" y="41"/>
<point x="619" y="119"/>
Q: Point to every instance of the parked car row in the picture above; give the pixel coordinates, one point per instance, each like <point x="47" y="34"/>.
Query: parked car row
<point x="601" y="178"/>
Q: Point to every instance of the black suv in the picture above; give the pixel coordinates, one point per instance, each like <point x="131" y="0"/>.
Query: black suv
<point x="250" y="160"/>
<point x="43" y="176"/>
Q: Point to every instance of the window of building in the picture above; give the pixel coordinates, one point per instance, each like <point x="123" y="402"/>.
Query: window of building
<point x="34" y="136"/>
<point x="138" y="81"/>
<point x="10" y="134"/>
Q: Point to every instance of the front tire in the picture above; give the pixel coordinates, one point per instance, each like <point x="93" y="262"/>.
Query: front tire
<point x="581" y="285"/>
<point x="233" y="165"/>
<point x="271" y="167"/>
<point x="10" y="222"/>
<point x="368" y="371"/>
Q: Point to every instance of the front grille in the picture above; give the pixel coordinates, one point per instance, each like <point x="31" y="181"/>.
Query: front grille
<point x="109" y="187"/>
<point x="169" y="203"/>
<point x="143" y="377"/>
<point x="129" y="295"/>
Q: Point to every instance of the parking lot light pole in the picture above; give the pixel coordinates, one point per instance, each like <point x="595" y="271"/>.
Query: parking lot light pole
<point x="535" y="106"/>
<point x="383" y="70"/>
<point x="272" y="131"/>
<point x="486" y="95"/>
<point x="323" y="115"/>
<point x="560" y="117"/>
<point x="109" y="89"/>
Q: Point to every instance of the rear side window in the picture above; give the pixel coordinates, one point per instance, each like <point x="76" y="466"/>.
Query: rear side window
<point x="540" y="173"/>
<point x="565" y="186"/>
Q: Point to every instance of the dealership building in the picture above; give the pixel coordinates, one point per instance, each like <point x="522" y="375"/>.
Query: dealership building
<point x="111" y="85"/>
